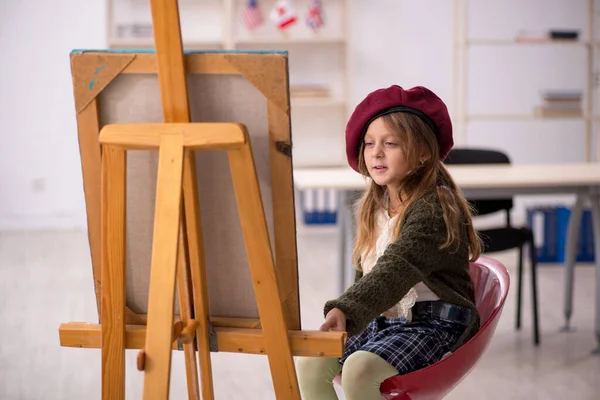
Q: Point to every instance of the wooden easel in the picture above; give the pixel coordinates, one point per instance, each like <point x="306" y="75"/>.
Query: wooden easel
<point x="178" y="252"/>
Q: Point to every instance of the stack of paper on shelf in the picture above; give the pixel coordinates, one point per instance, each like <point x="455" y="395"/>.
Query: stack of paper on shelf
<point x="560" y="103"/>
<point x="307" y="90"/>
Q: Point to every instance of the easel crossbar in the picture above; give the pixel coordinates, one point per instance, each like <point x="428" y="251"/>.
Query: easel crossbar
<point x="195" y="135"/>
<point x="230" y="340"/>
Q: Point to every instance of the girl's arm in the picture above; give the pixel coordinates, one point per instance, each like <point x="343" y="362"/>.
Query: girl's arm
<point x="406" y="262"/>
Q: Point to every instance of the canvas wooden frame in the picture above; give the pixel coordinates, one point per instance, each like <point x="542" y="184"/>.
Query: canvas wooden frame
<point x="93" y="71"/>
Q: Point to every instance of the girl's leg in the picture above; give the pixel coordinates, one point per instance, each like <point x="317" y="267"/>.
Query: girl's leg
<point x="315" y="377"/>
<point x="363" y="374"/>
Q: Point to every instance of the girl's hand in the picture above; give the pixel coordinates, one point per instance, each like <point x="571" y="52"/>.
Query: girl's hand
<point x="334" y="321"/>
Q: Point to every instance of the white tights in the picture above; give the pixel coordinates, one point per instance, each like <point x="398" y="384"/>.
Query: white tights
<point x="363" y="374"/>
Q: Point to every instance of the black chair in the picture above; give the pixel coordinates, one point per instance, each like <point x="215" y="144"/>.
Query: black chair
<point x="506" y="237"/>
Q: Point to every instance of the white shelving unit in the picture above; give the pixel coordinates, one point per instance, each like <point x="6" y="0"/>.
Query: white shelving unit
<point x="315" y="58"/>
<point x="508" y="50"/>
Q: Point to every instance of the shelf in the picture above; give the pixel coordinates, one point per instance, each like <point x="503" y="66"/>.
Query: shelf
<point x="491" y="42"/>
<point x="316" y="102"/>
<point x="203" y="44"/>
<point x="517" y="117"/>
<point x="284" y="40"/>
<point x="210" y="44"/>
<point x="149" y="44"/>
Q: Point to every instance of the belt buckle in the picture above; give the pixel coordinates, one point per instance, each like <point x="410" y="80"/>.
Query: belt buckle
<point x="453" y="313"/>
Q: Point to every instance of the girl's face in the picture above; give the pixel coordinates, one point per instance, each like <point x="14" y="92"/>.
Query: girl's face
<point x="384" y="156"/>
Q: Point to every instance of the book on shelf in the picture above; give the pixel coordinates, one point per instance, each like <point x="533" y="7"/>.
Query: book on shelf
<point x="561" y="94"/>
<point x="544" y="111"/>
<point x="563" y="34"/>
<point x="560" y="103"/>
<point x="552" y="35"/>
<point x="309" y="90"/>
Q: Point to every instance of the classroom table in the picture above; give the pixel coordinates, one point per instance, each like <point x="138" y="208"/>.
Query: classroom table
<point x="486" y="182"/>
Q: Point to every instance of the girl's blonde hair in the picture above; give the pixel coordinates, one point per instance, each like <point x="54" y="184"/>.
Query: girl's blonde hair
<point x="417" y="139"/>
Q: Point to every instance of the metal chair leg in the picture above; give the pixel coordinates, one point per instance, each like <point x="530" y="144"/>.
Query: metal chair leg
<point x="519" y="288"/>
<point x="534" y="298"/>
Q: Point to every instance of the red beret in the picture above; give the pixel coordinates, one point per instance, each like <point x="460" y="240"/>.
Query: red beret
<point x="418" y="100"/>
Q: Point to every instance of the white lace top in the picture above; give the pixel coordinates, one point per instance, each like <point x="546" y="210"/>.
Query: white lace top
<point x="420" y="292"/>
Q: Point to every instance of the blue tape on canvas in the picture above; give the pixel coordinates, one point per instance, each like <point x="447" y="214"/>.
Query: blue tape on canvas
<point x="151" y="51"/>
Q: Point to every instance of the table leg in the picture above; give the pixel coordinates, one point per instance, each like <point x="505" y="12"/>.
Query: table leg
<point x="595" y="203"/>
<point x="571" y="253"/>
<point x="351" y="225"/>
<point x="347" y="231"/>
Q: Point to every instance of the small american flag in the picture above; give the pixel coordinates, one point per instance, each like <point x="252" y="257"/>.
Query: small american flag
<point x="251" y="17"/>
<point x="314" y="18"/>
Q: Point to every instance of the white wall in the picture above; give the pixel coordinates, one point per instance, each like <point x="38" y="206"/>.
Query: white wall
<point x="39" y="160"/>
<point x="407" y="43"/>
<point x="390" y="41"/>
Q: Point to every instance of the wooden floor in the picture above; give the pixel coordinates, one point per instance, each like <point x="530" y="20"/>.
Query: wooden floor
<point x="45" y="279"/>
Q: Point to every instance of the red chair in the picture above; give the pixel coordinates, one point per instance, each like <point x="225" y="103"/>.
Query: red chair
<point x="436" y="381"/>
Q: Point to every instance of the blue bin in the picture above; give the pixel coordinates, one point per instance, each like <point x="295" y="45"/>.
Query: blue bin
<point x="550" y="226"/>
<point x="320" y="206"/>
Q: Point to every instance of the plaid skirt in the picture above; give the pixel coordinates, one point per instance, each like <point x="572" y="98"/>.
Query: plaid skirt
<point x="408" y="345"/>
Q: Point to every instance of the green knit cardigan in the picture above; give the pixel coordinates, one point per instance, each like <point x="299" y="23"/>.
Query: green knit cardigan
<point x="414" y="257"/>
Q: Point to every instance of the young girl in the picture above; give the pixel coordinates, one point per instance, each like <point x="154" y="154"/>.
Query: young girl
<point x="413" y="300"/>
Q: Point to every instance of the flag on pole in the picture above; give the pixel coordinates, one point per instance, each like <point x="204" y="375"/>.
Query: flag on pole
<point x="251" y="17"/>
<point x="283" y="15"/>
<point x="314" y="18"/>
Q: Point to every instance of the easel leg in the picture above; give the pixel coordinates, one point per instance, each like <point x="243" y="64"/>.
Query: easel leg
<point x="163" y="268"/>
<point x="185" y="309"/>
<point x="171" y="68"/>
<point x="262" y="267"/>
<point x="195" y="242"/>
<point x="112" y="315"/>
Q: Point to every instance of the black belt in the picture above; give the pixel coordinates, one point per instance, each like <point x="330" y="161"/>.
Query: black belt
<point x="443" y="310"/>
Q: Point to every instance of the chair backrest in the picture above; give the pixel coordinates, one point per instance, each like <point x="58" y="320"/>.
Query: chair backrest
<point x="489" y="293"/>
<point x="434" y="382"/>
<point x="481" y="156"/>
